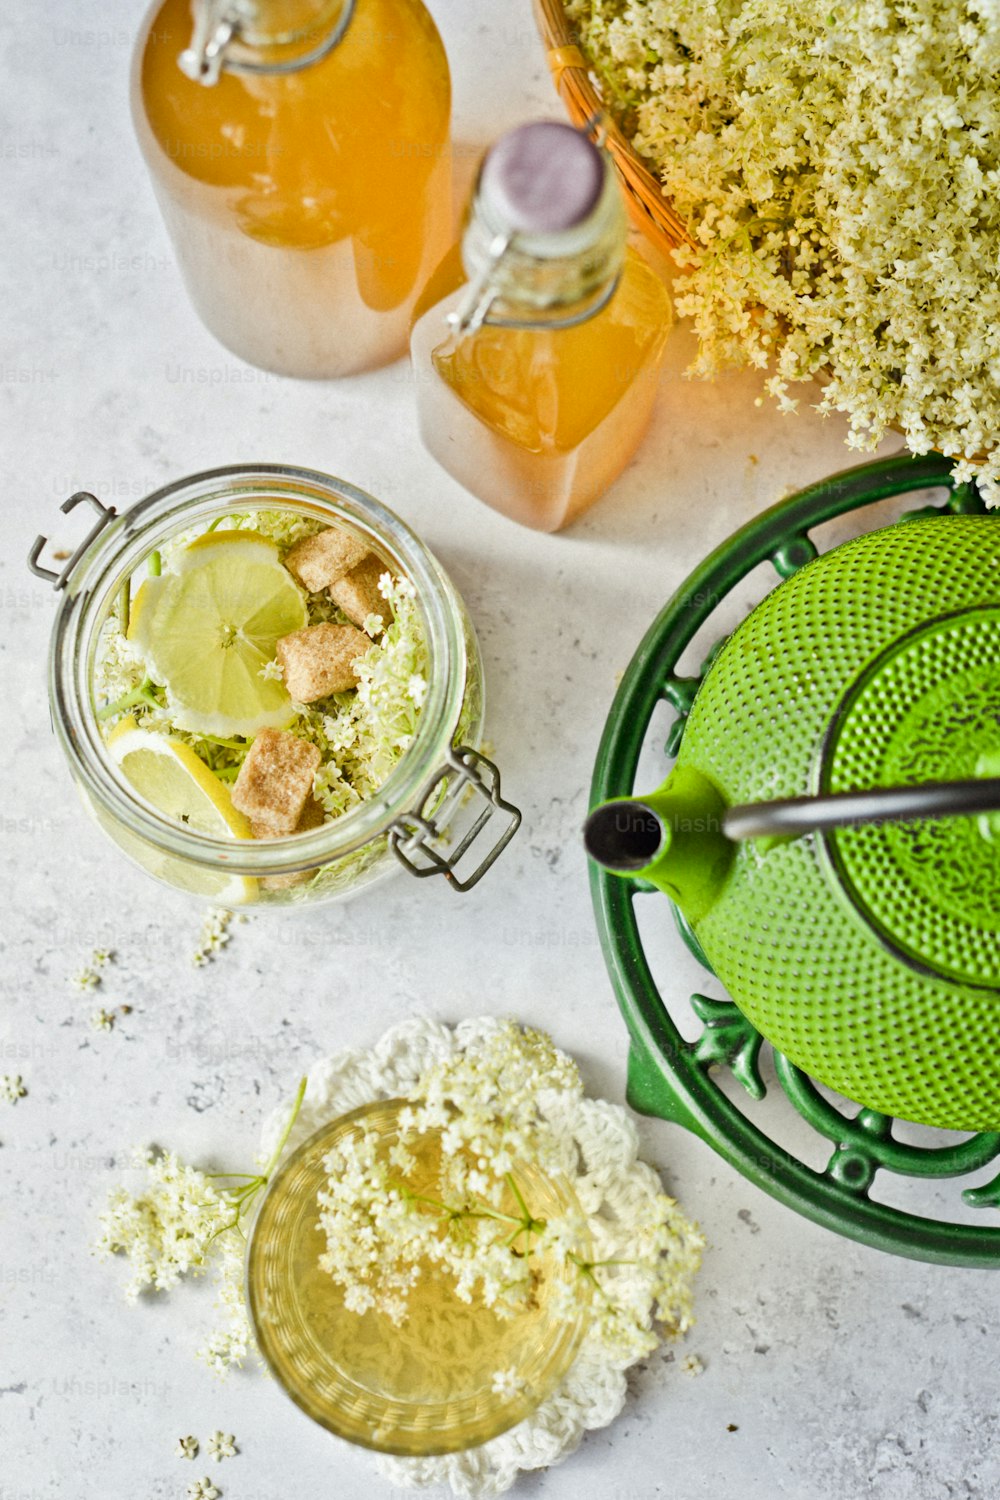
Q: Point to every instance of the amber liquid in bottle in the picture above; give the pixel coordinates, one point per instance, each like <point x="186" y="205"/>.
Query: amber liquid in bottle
<point x="539" y="421"/>
<point x="540" y="424"/>
<point x="306" y="208"/>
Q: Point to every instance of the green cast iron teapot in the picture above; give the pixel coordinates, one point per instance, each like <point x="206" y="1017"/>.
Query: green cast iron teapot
<point x="831" y="830"/>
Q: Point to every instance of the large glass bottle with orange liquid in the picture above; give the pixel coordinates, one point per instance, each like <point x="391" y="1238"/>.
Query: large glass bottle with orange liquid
<point x="537" y="342"/>
<point x="300" y="154"/>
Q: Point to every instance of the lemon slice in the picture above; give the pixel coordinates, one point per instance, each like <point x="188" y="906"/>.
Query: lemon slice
<point x="207" y="628"/>
<point x="170" y="777"/>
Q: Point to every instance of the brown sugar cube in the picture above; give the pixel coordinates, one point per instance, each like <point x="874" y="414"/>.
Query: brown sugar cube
<point x="313" y="816"/>
<point x="275" y="780"/>
<point x="319" y="660"/>
<point x="357" y="593"/>
<point x="317" y="561"/>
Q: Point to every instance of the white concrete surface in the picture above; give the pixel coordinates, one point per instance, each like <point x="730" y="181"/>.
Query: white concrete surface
<point x="830" y="1370"/>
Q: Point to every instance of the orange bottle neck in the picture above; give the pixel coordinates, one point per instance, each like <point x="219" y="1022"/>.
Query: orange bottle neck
<point x="271" y="23"/>
<point x="258" y="36"/>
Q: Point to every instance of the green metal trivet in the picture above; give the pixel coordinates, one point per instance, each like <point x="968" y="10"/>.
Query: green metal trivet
<point x="674" y="1078"/>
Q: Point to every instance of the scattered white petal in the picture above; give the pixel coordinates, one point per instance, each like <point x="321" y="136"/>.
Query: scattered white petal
<point x="221" y="1445"/>
<point x="12" y="1087"/>
<point x="203" y="1489"/>
<point x="215" y="935"/>
<point x="89" y="977"/>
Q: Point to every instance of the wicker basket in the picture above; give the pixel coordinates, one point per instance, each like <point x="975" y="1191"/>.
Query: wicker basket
<point x="572" y="75"/>
<point x="575" y="81"/>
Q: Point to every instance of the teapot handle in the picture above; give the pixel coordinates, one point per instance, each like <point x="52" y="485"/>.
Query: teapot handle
<point x="794" y="816"/>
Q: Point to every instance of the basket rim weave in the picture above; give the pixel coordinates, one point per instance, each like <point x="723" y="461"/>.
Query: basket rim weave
<point x="576" y="84"/>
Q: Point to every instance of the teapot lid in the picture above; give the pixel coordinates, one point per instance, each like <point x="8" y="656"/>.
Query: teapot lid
<point x="927" y="709"/>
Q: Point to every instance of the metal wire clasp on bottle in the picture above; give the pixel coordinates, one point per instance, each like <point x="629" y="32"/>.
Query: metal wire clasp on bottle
<point x="476" y="307"/>
<point x="217" y="24"/>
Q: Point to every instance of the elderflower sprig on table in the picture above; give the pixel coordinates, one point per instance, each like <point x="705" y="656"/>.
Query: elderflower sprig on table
<point x="837" y="167"/>
<point x="166" y="1229"/>
<point x="184" y="1222"/>
<point x="489" y="1118"/>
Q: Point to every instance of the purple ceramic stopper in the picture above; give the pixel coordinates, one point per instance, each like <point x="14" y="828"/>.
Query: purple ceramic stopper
<point x="543" y="178"/>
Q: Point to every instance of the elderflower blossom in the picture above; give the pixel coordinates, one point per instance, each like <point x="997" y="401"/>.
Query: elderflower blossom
<point x="203" y="1489"/>
<point x="282" y="527"/>
<point x="507" y="1384"/>
<point x="180" y="1224"/>
<point x="187" y="1447"/>
<point x="222" y="1445"/>
<point x="231" y="1342"/>
<point x="118" y="667"/>
<point x="166" y="1229"/>
<point x="90" y="977"/>
<point x="484" y="1105"/>
<point x="12" y="1087"/>
<point x="366" y="732"/>
<point x="491" y="1113"/>
<point x="103" y="1020"/>
<point x="214" y="936"/>
<point x="838" y="170"/>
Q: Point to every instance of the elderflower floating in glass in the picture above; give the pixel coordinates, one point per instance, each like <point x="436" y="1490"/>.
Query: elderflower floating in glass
<point x="269" y="691"/>
<point x="408" y="1354"/>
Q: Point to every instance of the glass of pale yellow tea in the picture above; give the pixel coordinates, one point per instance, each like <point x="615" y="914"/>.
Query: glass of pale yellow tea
<point x="269" y="691"/>
<point x="439" y="1373"/>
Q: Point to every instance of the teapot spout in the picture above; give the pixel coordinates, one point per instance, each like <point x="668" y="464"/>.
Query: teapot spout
<point x="673" y="838"/>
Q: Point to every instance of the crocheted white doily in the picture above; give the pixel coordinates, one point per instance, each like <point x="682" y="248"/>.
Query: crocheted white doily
<point x="611" y="1185"/>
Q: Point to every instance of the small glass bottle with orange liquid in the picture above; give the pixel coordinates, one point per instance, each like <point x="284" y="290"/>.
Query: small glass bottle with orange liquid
<point x="300" y="154"/>
<point x="537" y="342"/>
